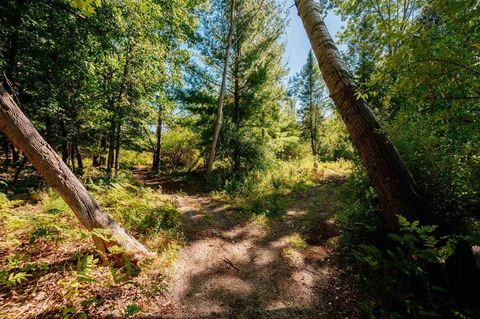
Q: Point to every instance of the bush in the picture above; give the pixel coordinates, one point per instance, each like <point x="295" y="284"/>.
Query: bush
<point x="401" y="274"/>
<point x="403" y="279"/>
<point x="179" y="148"/>
<point x="130" y="159"/>
<point x="138" y="208"/>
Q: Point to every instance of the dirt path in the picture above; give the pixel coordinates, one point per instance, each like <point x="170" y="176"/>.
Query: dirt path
<point x="232" y="268"/>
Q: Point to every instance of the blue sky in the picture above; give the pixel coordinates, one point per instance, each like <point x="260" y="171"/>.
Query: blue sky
<point x="297" y="43"/>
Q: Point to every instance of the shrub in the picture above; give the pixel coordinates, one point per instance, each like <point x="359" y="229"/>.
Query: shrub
<point x="138" y="208"/>
<point x="401" y="274"/>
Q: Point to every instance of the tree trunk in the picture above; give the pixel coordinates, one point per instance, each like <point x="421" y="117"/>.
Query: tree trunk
<point x="117" y="145"/>
<point x="221" y="96"/>
<point x="95" y="160"/>
<point x="64" y="146"/>
<point x="15" y="155"/>
<point x="388" y="174"/>
<point x="236" y="107"/>
<point x="6" y="151"/>
<point x="311" y="114"/>
<point x="111" y="149"/>
<point x="78" y="155"/>
<point x="157" y="152"/>
<point x="21" y="132"/>
<point x="313" y="146"/>
<point x="103" y="149"/>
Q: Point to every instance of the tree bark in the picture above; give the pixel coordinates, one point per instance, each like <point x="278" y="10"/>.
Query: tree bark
<point x="95" y="160"/>
<point x="64" y="146"/>
<point x="221" y="96"/>
<point x="6" y="151"/>
<point x="111" y="148"/>
<point x="15" y="155"/>
<point x="236" y="107"/>
<point x="103" y="149"/>
<point x="78" y="155"/>
<point x="21" y="132"/>
<point x="157" y="152"/>
<point x="117" y="145"/>
<point x="396" y="189"/>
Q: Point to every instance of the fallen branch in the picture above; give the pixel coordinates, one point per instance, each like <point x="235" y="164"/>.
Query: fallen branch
<point x="231" y="264"/>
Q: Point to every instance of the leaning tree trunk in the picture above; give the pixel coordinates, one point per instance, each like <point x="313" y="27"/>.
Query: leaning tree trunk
<point x="221" y="96"/>
<point x="25" y="137"/>
<point x="388" y="174"/>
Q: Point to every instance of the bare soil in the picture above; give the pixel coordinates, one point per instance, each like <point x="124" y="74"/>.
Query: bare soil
<point x="230" y="266"/>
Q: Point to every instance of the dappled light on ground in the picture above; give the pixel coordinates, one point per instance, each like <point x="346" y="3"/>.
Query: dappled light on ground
<point x="230" y="267"/>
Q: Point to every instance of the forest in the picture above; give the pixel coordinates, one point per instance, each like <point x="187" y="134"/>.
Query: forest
<point x="239" y="159"/>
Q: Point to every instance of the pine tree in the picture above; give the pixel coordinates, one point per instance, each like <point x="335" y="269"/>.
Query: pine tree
<point x="309" y="88"/>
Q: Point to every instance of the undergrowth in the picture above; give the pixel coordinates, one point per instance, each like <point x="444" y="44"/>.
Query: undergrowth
<point x="401" y="274"/>
<point x="41" y="221"/>
<point x="266" y="194"/>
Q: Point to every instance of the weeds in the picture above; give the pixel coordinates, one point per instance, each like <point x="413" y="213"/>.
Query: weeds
<point x="265" y="195"/>
<point x="42" y="219"/>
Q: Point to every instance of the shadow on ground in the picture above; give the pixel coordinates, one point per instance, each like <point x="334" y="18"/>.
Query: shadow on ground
<point x="232" y="267"/>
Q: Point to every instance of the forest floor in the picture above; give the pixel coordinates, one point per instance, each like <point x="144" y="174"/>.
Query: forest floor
<point x="232" y="266"/>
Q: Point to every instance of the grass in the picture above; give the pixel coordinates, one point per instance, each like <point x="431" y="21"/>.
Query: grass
<point x="265" y="195"/>
<point x="40" y="231"/>
<point x="44" y="216"/>
<point x="296" y="241"/>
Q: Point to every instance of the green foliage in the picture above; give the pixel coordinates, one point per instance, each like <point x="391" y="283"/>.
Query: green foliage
<point x="402" y="278"/>
<point x="53" y="204"/>
<point x="132" y="309"/>
<point x="10" y="279"/>
<point x="265" y="195"/>
<point x="423" y="70"/>
<point x="309" y="88"/>
<point x="180" y="148"/>
<point x="17" y="270"/>
<point x="96" y="68"/>
<point x="48" y="232"/>
<point x="416" y="63"/>
<point x="140" y="209"/>
<point x="85" y="265"/>
<point x="87" y="7"/>
<point x="4" y="202"/>
<point x="256" y="109"/>
<point x="334" y="141"/>
<point x="401" y="274"/>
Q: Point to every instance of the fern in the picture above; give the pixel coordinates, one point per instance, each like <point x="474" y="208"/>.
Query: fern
<point x="85" y="267"/>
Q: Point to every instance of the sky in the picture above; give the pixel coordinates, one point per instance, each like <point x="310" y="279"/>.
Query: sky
<point x="297" y="43"/>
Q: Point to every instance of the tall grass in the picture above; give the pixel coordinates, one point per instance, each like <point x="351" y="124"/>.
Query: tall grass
<point x="267" y="193"/>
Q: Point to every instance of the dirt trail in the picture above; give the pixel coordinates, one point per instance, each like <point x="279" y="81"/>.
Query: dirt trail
<point x="232" y="268"/>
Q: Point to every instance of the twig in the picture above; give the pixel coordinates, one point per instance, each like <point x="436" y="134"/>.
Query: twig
<point x="228" y="262"/>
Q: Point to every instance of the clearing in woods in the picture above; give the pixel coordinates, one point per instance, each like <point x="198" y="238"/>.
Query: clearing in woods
<point x="237" y="267"/>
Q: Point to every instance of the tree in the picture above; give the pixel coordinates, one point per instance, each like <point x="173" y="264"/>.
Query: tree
<point x="175" y="35"/>
<point x="426" y="89"/>
<point x="223" y="88"/>
<point x="254" y="99"/>
<point x="24" y="136"/>
<point x="396" y="189"/>
<point x="309" y="87"/>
